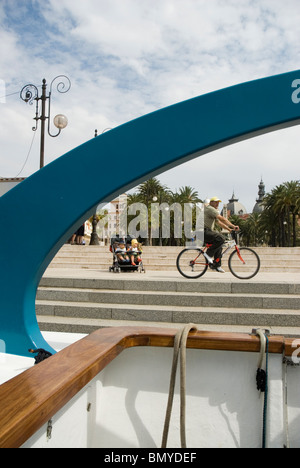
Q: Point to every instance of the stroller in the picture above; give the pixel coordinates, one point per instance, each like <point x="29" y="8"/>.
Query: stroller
<point x="122" y="257"/>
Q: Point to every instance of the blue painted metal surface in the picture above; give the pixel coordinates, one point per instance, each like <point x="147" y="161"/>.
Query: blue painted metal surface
<point x="42" y="212"/>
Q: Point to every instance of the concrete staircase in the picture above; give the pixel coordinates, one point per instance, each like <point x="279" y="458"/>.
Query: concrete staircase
<point x="157" y="258"/>
<point x="85" y="304"/>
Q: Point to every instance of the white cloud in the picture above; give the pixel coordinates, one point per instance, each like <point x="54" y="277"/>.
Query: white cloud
<point x="126" y="58"/>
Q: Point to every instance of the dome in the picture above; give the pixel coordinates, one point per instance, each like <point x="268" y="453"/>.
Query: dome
<point x="258" y="207"/>
<point x="234" y="207"/>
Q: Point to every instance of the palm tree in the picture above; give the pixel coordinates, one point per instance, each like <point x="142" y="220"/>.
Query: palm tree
<point x="185" y="195"/>
<point x="292" y="203"/>
<point x="276" y="225"/>
<point x="252" y="229"/>
<point x="149" y="190"/>
<point x="237" y="221"/>
<point x="269" y="217"/>
<point x="147" y="193"/>
<point x="188" y="195"/>
<point x="267" y="226"/>
<point x="282" y="205"/>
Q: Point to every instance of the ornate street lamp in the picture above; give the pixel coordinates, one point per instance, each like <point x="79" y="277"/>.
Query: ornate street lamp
<point x="30" y="93"/>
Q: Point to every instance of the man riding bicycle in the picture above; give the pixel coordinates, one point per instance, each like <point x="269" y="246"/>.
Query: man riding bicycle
<point x="211" y="236"/>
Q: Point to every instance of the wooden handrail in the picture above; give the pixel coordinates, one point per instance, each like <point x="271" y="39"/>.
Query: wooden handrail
<point x="30" y="399"/>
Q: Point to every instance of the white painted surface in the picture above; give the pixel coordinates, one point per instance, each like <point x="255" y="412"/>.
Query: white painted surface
<point x="124" y="406"/>
<point x="127" y="403"/>
<point x="11" y="366"/>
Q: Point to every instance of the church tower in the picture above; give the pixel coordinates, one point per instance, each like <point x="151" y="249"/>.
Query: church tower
<point x="258" y="207"/>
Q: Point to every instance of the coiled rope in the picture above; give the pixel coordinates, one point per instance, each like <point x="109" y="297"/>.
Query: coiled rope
<point x="262" y="379"/>
<point x="179" y="345"/>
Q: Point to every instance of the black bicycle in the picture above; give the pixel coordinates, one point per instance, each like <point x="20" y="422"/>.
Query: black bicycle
<point x="243" y="262"/>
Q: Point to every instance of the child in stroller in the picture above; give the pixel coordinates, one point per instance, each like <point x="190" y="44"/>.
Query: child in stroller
<point x="122" y="253"/>
<point x="135" y="252"/>
<point x="126" y="255"/>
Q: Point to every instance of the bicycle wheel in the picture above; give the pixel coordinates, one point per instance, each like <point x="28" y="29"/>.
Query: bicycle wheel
<point x="244" y="263"/>
<point x="191" y="263"/>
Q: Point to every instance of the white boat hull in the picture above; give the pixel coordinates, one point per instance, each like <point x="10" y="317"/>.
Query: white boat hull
<point x="124" y="405"/>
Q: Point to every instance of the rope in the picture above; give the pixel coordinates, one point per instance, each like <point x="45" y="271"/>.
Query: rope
<point x="285" y="405"/>
<point x="179" y="345"/>
<point x="266" y="397"/>
<point x="262" y="379"/>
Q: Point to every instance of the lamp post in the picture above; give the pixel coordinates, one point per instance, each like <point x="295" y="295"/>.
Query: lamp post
<point x="30" y="93"/>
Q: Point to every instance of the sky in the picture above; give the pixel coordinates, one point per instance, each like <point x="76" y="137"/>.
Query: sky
<point x="126" y="58"/>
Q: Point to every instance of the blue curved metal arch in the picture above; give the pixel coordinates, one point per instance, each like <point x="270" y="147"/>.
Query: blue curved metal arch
<point x="66" y="192"/>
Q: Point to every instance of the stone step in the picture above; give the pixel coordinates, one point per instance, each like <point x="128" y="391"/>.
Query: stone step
<point x="154" y="258"/>
<point x="94" y="251"/>
<point x="191" y="299"/>
<point x="81" y="325"/>
<point x="162" y="258"/>
<point x="142" y="283"/>
<point x="163" y="249"/>
<point x="154" y="267"/>
<point x="106" y="262"/>
<point x="169" y="314"/>
<point x="83" y="304"/>
<point x="169" y="251"/>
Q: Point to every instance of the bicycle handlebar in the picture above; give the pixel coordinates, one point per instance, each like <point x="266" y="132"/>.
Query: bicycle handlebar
<point x="234" y="234"/>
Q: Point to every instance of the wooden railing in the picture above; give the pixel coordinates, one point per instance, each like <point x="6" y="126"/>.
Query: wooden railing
<point x="29" y="400"/>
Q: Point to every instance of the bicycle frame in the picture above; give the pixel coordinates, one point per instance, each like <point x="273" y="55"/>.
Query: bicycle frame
<point x="230" y="245"/>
